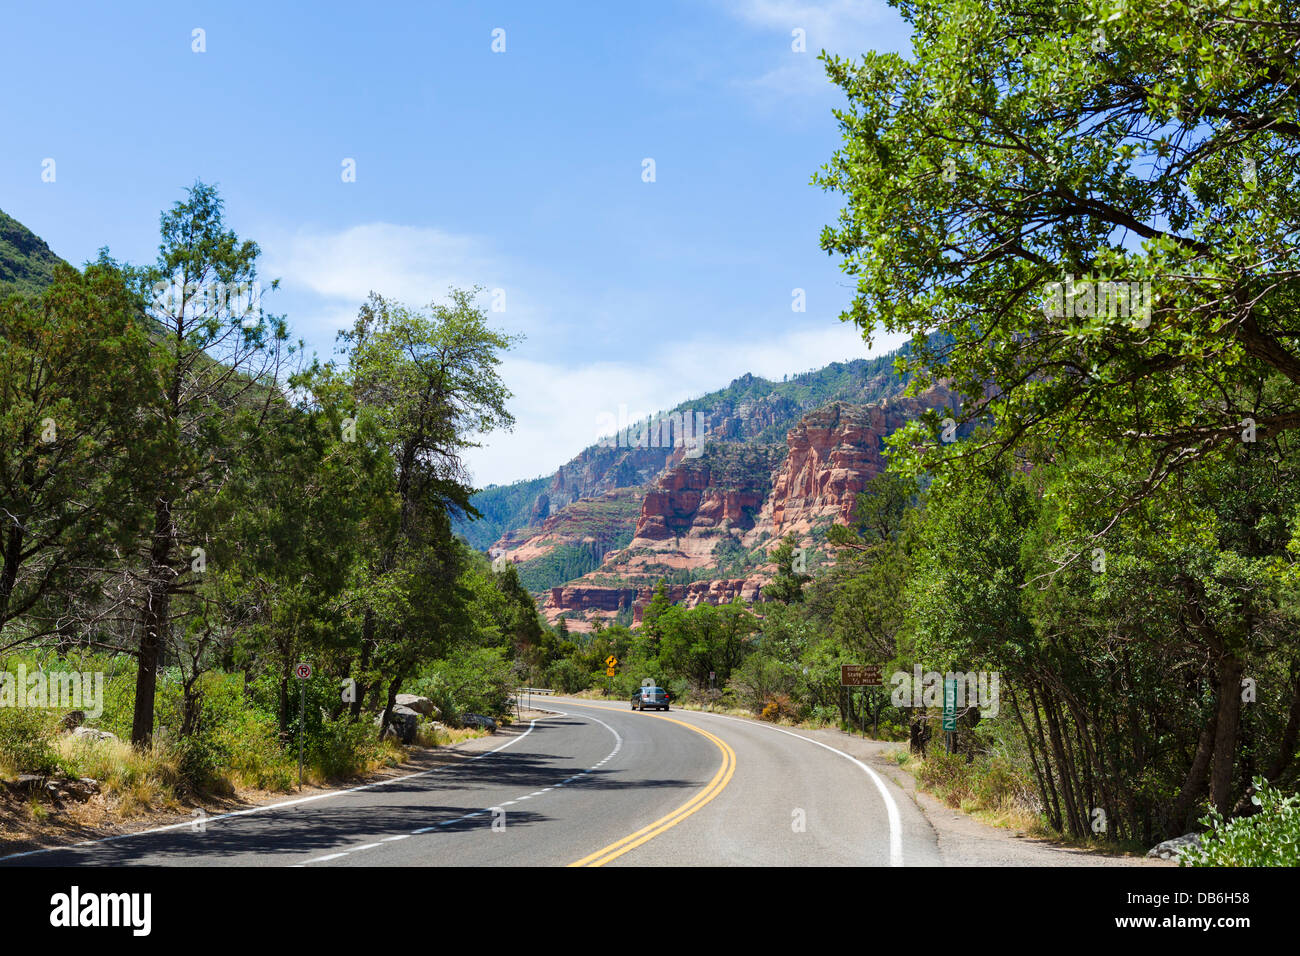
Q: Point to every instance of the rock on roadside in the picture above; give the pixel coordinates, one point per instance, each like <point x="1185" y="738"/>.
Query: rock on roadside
<point x="1173" y="849"/>
<point x="402" y="724"/>
<point x="478" y="720"/>
<point x="90" y="733"/>
<point x="421" y="705"/>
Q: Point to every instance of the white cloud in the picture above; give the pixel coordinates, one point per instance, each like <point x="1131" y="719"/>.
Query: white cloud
<point x="412" y="264"/>
<point x="558" y="406"/>
<point x="841" y="27"/>
<point x="558" y="391"/>
<point x="326" y="275"/>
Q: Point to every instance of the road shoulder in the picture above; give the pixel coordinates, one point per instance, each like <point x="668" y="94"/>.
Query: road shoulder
<point x="961" y="839"/>
<point x="70" y="832"/>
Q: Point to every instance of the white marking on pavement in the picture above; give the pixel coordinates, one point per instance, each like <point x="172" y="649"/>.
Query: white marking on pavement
<point x="281" y="805"/>
<point x="891" y="808"/>
<point x="618" y="745"/>
<point x="321" y="859"/>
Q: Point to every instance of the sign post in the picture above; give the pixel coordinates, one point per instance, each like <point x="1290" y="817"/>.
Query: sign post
<point x="860" y="675"/>
<point x="303" y="673"/>
<point x="611" y="662"/>
<point x="949" y="711"/>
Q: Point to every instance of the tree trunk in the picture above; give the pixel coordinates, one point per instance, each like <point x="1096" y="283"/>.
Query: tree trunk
<point x="191" y="707"/>
<point x="394" y="686"/>
<point x="1194" y="782"/>
<point x="1227" y="720"/>
<point x="156" y="621"/>
<point x="284" y="705"/>
<point x="367" y="641"/>
<point x="9" y="568"/>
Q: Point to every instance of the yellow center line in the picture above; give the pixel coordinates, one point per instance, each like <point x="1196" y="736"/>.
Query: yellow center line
<point x="652" y="830"/>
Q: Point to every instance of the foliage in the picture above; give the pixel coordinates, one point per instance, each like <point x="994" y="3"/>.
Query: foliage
<point x="1268" y="837"/>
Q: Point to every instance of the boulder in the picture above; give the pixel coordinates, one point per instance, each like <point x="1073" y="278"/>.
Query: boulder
<point x="478" y="720"/>
<point x="91" y="733"/>
<point x="27" y="783"/>
<point x="81" y="789"/>
<point x="1173" y="849"/>
<point x="421" y="705"/>
<point x="402" y="724"/>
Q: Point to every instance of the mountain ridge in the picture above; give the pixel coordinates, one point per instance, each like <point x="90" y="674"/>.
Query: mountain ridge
<point x="751" y="409"/>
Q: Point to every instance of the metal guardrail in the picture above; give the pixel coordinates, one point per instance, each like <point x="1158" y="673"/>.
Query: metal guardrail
<point x="540" y="691"/>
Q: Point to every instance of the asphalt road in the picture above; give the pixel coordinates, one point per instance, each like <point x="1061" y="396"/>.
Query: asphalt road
<point x="596" y="784"/>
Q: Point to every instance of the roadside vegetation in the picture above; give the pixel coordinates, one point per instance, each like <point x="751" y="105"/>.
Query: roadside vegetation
<point x="1095" y="248"/>
<point x="190" y="508"/>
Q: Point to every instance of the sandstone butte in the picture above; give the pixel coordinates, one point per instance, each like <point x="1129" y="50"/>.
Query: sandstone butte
<point x="829" y="457"/>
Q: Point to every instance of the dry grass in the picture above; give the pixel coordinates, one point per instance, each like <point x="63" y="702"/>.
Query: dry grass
<point x="430" y="735"/>
<point x="985" y="791"/>
<point x="135" y="781"/>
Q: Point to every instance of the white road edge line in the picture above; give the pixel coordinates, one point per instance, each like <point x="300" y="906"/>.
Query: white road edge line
<point x="618" y="745"/>
<point x="281" y="805"/>
<point x="891" y="808"/>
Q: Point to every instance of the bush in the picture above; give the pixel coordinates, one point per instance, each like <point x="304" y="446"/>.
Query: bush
<point x="1270" y="837"/>
<point x="343" y="748"/>
<point x="475" y="680"/>
<point x="986" y="782"/>
<point x="778" y="707"/>
<point x="27" y="738"/>
<point x="568" y="677"/>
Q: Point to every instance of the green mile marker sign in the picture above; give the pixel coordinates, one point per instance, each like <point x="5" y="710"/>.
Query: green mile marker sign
<point x="950" y="704"/>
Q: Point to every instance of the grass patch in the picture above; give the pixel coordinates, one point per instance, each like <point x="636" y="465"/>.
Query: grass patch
<point x="990" y="788"/>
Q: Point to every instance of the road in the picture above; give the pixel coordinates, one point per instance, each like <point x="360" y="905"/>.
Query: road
<point x="593" y="785"/>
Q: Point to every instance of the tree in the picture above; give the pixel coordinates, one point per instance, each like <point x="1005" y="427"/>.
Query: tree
<point x="787" y="584"/>
<point x="216" y="363"/>
<point x="420" y="385"/>
<point x="1029" y="150"/>
<point x="69" y="437"/>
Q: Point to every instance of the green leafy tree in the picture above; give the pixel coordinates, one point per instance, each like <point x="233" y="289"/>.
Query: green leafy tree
<point x="70" y="439"/>
<point x="421" y="384"/>
<point x="216" y="359"/>
<point x="1025" y="143"/>
<point x="787" y="584"/>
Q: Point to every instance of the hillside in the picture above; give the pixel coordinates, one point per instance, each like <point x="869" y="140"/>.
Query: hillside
<point x="26" y="262"/>
<point x="708" y="524"/>
<point x="751" y="409"/>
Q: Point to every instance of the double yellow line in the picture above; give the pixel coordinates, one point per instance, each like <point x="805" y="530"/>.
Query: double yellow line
<point x="647" y="833"/>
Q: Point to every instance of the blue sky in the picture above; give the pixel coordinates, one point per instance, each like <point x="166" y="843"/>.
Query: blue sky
<point x="519" y="170"/>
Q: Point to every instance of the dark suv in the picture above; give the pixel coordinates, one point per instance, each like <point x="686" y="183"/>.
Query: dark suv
<point x="647" y="697"/>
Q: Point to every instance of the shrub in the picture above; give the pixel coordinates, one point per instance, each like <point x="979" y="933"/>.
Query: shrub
<point x="27" y="737"/>
<point x="472" y="681"/>
<point x="568" y="677"/>
<point x="342" y="748"/>
<point x="986" y="782"/>
<point x="778" y="707"/>
<point x="1270" y="837"/>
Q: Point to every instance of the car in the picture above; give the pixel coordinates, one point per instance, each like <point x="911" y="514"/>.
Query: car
<point x="646" y="697"/>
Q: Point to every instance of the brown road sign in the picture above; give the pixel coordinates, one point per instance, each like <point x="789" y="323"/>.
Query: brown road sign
<point x="860" y="675"/>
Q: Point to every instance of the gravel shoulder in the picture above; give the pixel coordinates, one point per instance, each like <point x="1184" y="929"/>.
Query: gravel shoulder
<point x="963" y="840"/>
